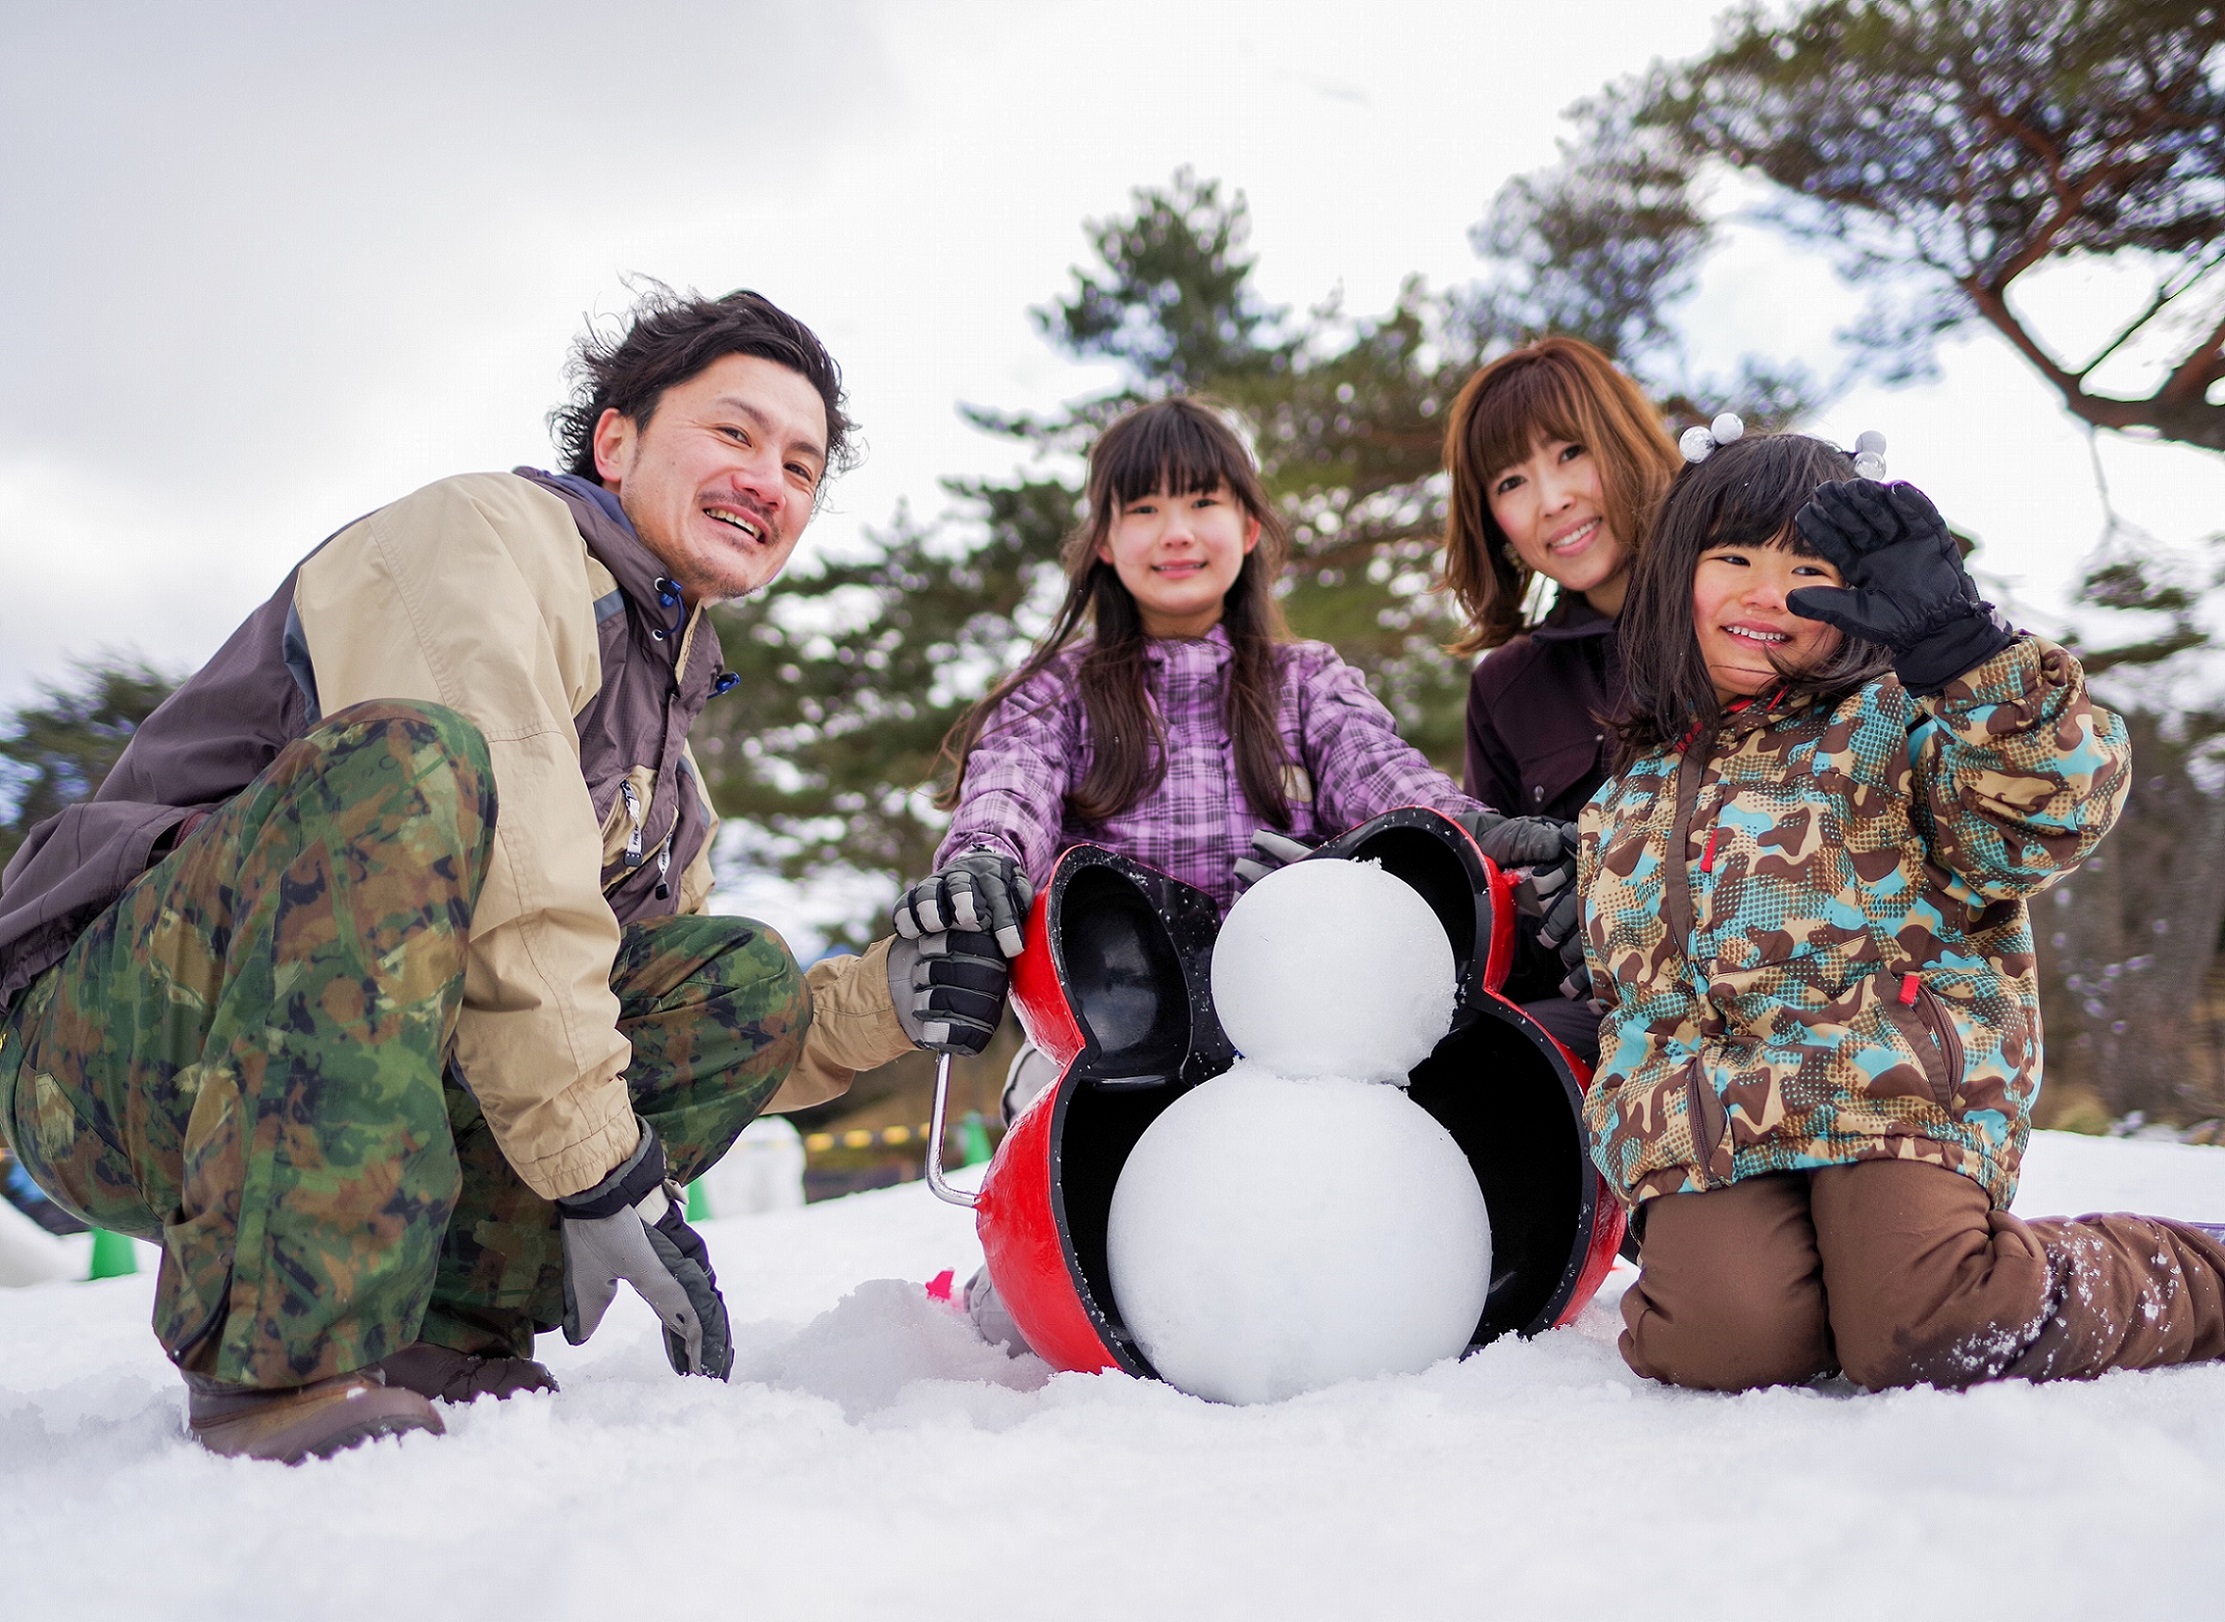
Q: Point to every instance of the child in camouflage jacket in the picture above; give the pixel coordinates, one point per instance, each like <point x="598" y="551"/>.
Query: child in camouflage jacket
<point x="1805" y="914"/>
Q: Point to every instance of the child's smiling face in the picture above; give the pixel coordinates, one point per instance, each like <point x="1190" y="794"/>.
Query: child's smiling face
<point x="1178" y="555"/>
<point x="1748" y="636"/>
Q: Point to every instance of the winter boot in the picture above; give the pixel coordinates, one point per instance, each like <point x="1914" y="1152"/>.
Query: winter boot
<point x="451" y="1376"/>
<point x="990" y="1318"/>
<point x="306" y="1422"/>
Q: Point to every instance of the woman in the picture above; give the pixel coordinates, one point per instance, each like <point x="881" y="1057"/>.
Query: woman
<point x="1557" y="463"/>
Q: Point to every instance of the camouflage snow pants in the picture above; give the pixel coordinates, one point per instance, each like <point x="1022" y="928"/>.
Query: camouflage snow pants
<point x="244" y="1059"/>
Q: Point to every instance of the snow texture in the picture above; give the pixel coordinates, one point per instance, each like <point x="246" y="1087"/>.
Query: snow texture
<point x="1329" y="968"/>
<point x="1272" y="1235"/>
<point x="873" y="1459"/>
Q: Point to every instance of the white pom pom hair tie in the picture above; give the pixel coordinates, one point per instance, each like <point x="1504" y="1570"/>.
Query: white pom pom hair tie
<point x="1869" y="454"/>
<point x="1698" y="444"/>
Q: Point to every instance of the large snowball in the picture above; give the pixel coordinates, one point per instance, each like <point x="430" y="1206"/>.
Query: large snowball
<point x="1328" y="968"/>
<point x="1270" y="1236"/>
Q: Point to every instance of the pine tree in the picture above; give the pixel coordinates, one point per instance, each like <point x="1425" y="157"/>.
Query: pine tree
<point x="851" y="675"/>
<point x="59" y="748"/>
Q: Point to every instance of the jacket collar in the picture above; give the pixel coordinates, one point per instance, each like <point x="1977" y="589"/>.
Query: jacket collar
<point x="609" y="534"/>
<point x="1206" y="652"/>
<point x="1571" y="619"/>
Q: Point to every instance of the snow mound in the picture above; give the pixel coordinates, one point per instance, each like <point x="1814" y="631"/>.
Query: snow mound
<point x="1329" y="968"/>
<point x="1271" y="1235"/>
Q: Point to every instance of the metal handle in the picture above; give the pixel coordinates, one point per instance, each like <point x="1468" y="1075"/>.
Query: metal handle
<point x="937" y="1184"/>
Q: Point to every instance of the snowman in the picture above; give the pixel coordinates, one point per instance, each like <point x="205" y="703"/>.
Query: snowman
<point x="1298" y="1220"/>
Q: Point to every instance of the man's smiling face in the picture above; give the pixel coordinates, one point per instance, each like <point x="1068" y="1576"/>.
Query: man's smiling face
<point x="720" y="482"/>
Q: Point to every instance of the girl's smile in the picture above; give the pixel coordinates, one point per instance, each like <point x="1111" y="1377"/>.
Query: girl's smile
<point x="1749" y="637"/>
<point x="1178" y="555"/>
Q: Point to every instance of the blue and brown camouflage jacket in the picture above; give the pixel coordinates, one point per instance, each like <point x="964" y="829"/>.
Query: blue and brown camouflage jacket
<point x="1810" y="930"/>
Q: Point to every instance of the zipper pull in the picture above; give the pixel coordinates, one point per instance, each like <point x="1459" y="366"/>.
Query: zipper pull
<point x="1912" y="984"/>
<point x="664" y="866"/>
<point x="633" y="811"/>
<point x="1707" y="856"/>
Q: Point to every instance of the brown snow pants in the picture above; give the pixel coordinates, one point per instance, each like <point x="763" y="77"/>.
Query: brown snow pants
<point x="1899" y="1273"/>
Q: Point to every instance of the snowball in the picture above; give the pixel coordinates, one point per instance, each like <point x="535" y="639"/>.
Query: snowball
<point x="1328" y="968"/>
<point x="1271" y="1235"/>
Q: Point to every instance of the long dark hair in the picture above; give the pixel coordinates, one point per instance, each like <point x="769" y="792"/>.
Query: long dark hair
<point x="1181" y="446"/>
<point x="1556" y="388"/>
<point x="1743" y="495"/>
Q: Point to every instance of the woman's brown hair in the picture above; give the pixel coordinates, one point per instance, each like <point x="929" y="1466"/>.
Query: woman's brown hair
<point x="1744" y="495"/>
<point x="1556" y="388"/>
<point x="1179" y="447"/>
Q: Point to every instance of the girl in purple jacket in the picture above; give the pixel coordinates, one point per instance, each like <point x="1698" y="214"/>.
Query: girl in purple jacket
<point x="1185" y="720"/>
<point x="1185" y="729"/>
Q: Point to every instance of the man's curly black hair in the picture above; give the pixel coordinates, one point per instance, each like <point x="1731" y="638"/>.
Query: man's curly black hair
<point x="670" y="338"/>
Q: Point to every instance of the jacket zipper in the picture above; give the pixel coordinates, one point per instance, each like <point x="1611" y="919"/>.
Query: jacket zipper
<point x="633" y="813"/>
<point x="1706" y="1135"/>
<point x="1937" y="1024"/>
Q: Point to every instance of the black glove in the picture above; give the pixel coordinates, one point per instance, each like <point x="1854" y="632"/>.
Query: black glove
<point x="1513" y="842"/>
<point x="1271" y="850"/>
<point x="1905" y="583"/>
<point x="978" y="889"/>
<point x="629" y="1226"/>
<point x="949" y="989"/>
<point x="1549" y="894"/>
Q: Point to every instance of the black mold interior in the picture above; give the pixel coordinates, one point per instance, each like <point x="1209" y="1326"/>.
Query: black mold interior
<point x="1136" y="949"/>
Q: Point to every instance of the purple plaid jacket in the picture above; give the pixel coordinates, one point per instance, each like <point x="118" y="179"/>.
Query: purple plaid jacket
<point x="1348" y="763"/>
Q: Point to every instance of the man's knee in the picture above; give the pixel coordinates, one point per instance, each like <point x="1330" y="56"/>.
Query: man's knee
<point x="741" y="964"/>
<point x="431" y="736"/>
<point x="387" y="764"/>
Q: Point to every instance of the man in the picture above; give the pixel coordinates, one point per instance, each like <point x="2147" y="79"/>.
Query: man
<point x="374" y="984"/>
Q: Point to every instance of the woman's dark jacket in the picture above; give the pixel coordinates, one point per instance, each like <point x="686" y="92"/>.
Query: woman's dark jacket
<point x="1536" y="745"/>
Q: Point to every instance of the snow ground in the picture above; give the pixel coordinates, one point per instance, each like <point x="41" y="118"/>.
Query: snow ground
<point x="872" y="1459"/>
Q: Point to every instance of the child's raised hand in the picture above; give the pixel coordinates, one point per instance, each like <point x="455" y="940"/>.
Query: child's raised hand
<point x="1905" y="584"/>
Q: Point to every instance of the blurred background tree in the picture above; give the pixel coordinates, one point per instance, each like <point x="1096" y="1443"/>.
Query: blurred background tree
<point x="857" y="669"/>
<point x="58" y="748"/>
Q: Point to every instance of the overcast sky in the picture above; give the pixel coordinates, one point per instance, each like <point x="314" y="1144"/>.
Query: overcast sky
<point x="268" y="266"/>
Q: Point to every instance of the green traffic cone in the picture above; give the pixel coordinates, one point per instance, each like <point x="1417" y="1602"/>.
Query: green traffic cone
<point x="114" y="1255"/>
<point x="973" y="1139"/>
<point x="699" y="1203"/>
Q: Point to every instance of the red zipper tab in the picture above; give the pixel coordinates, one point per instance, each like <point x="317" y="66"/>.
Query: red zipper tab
<point x="1911" y="984"/>
<point x="1707" y="856"/>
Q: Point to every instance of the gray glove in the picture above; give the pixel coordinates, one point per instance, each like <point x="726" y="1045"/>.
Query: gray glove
<point x="1521" y="841"/>
<point x="1548" y="893"/>
<point x="977" y="889"/>
<point x="948" y="989"/>
<point x="1271" y="850"/>
<point x="629" y="1226"/>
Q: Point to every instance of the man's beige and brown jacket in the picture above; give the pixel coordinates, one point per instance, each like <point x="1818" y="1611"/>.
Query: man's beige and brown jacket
<point x="526" y="603"/>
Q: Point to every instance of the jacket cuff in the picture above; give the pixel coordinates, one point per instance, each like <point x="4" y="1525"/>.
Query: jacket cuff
<point x="2022" y="686"/>
<point x="588" y="1155"/>
<point x="1954" y="649"/>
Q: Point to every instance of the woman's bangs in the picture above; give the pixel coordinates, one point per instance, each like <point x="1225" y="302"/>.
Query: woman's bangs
<point x="1527" y="406"/>
<point x="1169" y="451"/>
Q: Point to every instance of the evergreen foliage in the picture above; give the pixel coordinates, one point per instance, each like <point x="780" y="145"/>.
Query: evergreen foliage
<point x="1945" y="149"/>
<point x="851" y="674"/>
<point x="59" y="748"/>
